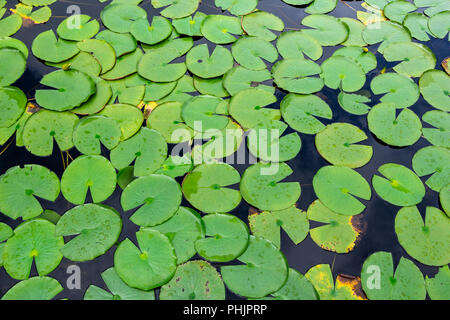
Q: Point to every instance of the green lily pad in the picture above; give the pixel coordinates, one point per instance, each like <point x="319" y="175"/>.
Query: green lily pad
<point x="406" y="283"/>
<point x="7" y="42"/>
<point x="97" y="101"/>
<point x="438" y="286"/>
<point x="343" y="72"/>
<point x="212" y="87"/>
<point x="444" y="198"/>
<point x="300" y="112"/>
<point x="194" y="280"/>
<point x="226" y="238"/>
<point x="401" y="186"/>
<point x="125" y="66"/>
<point x="78" y="27"/>
<point x="417" y="25"/>
<point x="119" y="17"/>
<point x="438" y="136"/>
<point x="5" y="232"/>
<point x="261" y="24"/>
<point x="386" y="32"/>
<point x="183" y="91"/>
<point x="93" y="173"/>
<point x="16" y="128"/>
<point x="72" y="89"/>
<point x="298" y="44"/>
<point x="297" y="287"/>
<point x="19" y="187"/>
<point x="119" y="289"/>
<point x="174" y="9"/>
<point x="355" y="29"/>
<point x="397" y="10"/>
<point x="190" y="26"/>
<point x="100" y="50"/>
<point x="96" y="229"/>
<point x="354" y="103"/>
<point x="36" y="288"/>
<point x="221" y="29"/>
<point x="10" y="25"/>
<point x="46" y="47"/>
<point x="83" y="62"/>
<point x="415" y="58"/>
<point x="159" y="30"/>
<point x="264" y="270"/>
<point x="204" y="110"/>
<point x="268" y="224"/>
<point x="261" y="186"/>
<point x="122" y="43"/>
<point x="337" y="144"/>
<point x="362" y="56"/>
<point x="434" y="86"/>
<point x="44" y="126"/>
<point x="129" y="118"/>
<point x="41" y="15"/>
<point x="148" y="266"/>
<point x="207" y="188"/>
<point x="252" y="52"/>
<point x="429" y="242"/>
<point x="12" y="105"/>
<point x="433" y="6"/>
<point x="240" y="78"/>
<point x="438" y="23"/>
<point x="434" y="161"/>
<point x="237" y="7"/>
<point x="327" y="30"/>
<point x="37" y="2"/>
<point x="298" y="75"/>
<point x="33" y="241"/>
<point x="397" y="89"/>
<point x="202" y="64"/>
<point x="176" y="166"/>
<point x="157" y="198"/>
<point x="321" y="6"/>
<point x="153" y="90"/>
<point x="336" y="187"/>
<point x="12" y="65"/>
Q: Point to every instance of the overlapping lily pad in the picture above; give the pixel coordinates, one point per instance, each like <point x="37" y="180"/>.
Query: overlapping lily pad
<point x="434" y="161"/>
<point x="36" y="288"/>
<point x="435" y="88"/>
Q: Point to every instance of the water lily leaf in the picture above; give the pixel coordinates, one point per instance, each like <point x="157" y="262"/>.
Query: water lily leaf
<point x="398" y="9"/>
<point x="426" y="242"/>
<point x="155" y="65"/>
<point x="97" y="101"/>
<point x="397" y="89"/>
<point x="36" y="288"/>
<point x="174" y="9"/>
<point x="337" y="144"/>
<point x="213" y="87"/>
<point x="183" y="230"/>
<point x="240" y="78"/>
<point x="184" y="90"/>
<point x="83" y="62"/>
<point x="78" y="27"/>
<point x="237" y="7"/>
<point x="202" y="64"/>
<point x="386" y="32"/>
<point x="345" y="288"/>
<point x="122" y="43"/>
<point x="327" y="30"/>
<point x="46" y="47"/>
<point x="7" y="42"/>
<point x="444" y="198"/>
<point x="297" y="287"/>
<point x="251" y="52"/>
<point x="434" y="86"/>
<point x="37" y="2"/>
<point x="402" y="130"/>
<point x="298" y="2"/>
<point x="438" y="136"/>
<point x="221" y="29"/>
<point x="365" y="58"/>
<point x="100" y="50"/>
<point x="10" y="25"/>
<point x="438" y="24"/>
<point x="434" y="161"/>
<point x="129" y="118"/>
<point x="378" y="4"/>
<point x="12" y="65"/>
<point x="96" y="229"/>
<point x="12" y="105"/>
<point x="337" y="188"/>
<point x="154" y="91"/>
<point x="119" y="17"/>
<point x="17" y="128"/>
<point x="438" y="286"/>
<point x="339" y="233"/>
<point x="149" y="266"/>
<point x="20" y="187"/>
<point x="355" y="29"/>
<point x="267" y="225"/>
<point x="194" y="280"/>
<point x="33" y="241"/>
<point x="354" y="103"/>
<point x="401" y="186"/>
<point x="157" y="196"/>
<point x="416" y="58"/>
<point x="159" y="30"/>
<point x="417" y="25"/>
<point x="41" y="15"/>
<point x="261" y="24"/>
<point x="264" y="270"/>
<point x="206" y="111"/>
<point x="262" y="188"/>
<point x="298" y="75"/>
<point x="248" y="107"/>
<point x="433" y="6"/>
<point x="44" y="126"/>
<point x="406" y="283"/>
<point x="72" y="89"/>
<point x="176" y="166"/>
<point x="93" y="173"/>
<point x="300" y="112"/>
<point x="297" y="44"/>
<point x="343" y="72"/>
<point x="190" y="26"/>
<point x="125" y="66"/>
<point x="207" y="188"/>
<point x="119" y="289"/>
<point x="226" y="238"/>
<point x="321" y="6"/>
<point x="5" y="232"/>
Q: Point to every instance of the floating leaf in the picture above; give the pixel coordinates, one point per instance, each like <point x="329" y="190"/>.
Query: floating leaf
<point x="12" y="65"/>
<point x="343" y="72"/>
<point x="101" y="50"/>
<point x="7" y="42"/>
<point x="386" y="32"/>
<point x="159" y="30"/>
<point x="398" y="9"/>
<point x="237" y="7"/>
<point x="213" y="87"/>
<point x="9" y="25"/>
<point x="119" y="17"/>
<point x="433" y="161"/>
<point x="12" y="105"/>
<point x="36" y="288"/>
<point x="416" y="58"/>
<point x="438" y="24"/>
<point x="252" y="52"/>
<point x="327" y="30"/>
<point x="202" y="64"/>
<point x="78" y="27"/>
<point x="438" y="286"/>
<point x="46" y="47"/>
<point x="129" y="118"/>
<point x="417" y="25"/>
<point x="297" y="287"/>
<point x="125" y="66"/>
<point x="239" y="78"/>
<point x="355" y="29"/>
<point x="122" y="43"/>
<point x="176" y="9"/>
<point x="261" y="24"/>
<point x="204" y="110"/>
<point x="298" y="76"/>
<point x="397" y="89"/>
<point x="297" y="44"/>
<point x="354" y="103"/>
<point x="176" y="166"/>
<point x="438" y="136"/>
<point x="365" y="58"/>
<point x="434" y="86"/>
<point x="444" y="198"/>
<point x="190" y="26"/>
<point x="221" y="29"/>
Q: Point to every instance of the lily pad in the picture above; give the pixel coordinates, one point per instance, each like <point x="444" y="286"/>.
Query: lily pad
<point x="438" y="23"/>
<point x="159" y="30"/>
<point x="264" y="270"/>
<point x="78" y="27"/>
<point x="240" y="78"/>
<point x="206" y="111"/>
<point x="46" y="47"/>
<point x="355" y="29"/>
<point x="12" y="65"/>
<point x="213" y="87"/>
<point x="438" y="286"/>
<point x="429" y="242"/>
<point x="120" y="17"/>
<point x="122" y="43"/>
<point x="444" y="198"/>
<point x="433" y="161"/>
<point x="438" y="136"/>
<point x="96" y="229"/>
<point x="343" y="72"/>
<point x="237" y="7"/>
<point x="12" y="105"/>
<point x="36" y="288"/>
<point x="397" y="10"/>
<point x="362" y="56"/>
<point x="397" y="89"/>
<point x="190" y="26"/>
<point x="297" y="287"/>
<point x="354" y="103"/>
<point x="125" y="66"/>
<point x="10" y="25"/>
<point x="261" y="24"/>
<point x="417" y="24"/>
<point x="148" y="266"/>
<point x="386" y="32"/>
<point x="101" y="50"/>
<point x="175" y="9"/>
<point x="298" y="44"/>
<point x="321" y="6"/>
<point x="176" y="166"/>
<point x="129" y="118"/>
<point x="221" y="29"/>
<point x="94" y="173"/>
<point x="401" y="186"/>
<point x="434" y="86"/>
<point x="202" y="64"/>
<point x="7" y="42"/>
<point x="252" y="52"/>
<point x="327" y="30"/>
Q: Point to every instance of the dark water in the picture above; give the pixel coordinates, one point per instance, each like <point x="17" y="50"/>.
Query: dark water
<point x="379" y="215"/>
